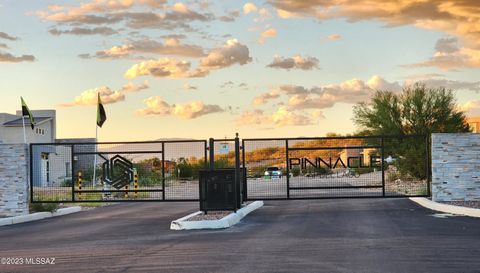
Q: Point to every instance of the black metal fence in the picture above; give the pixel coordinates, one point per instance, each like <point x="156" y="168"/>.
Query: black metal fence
<point x="116" y="171"/>
<point x="275" y="168"/>
<point x="336" y="167"/>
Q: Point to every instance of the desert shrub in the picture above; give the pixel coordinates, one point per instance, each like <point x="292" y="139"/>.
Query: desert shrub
<point x="39" y="207"/>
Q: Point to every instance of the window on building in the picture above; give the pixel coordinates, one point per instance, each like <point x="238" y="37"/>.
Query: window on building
<point x="44" y="157"/>
<point x="68" y="170"/>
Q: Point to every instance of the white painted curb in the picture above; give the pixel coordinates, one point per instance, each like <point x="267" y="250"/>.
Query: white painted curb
<point x="227" y="221"/>
<point x="66" y="211"/>
<point x="422" y="201"/>
<point x="38" y="216"/>
<point x="31" y="217"/>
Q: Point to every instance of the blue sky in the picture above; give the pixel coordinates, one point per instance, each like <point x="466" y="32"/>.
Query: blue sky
<point x="191" y="74"/>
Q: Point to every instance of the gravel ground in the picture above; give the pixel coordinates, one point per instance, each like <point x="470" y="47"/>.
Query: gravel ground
<point x="212" y="215"/>
<point x="469" y="204"/>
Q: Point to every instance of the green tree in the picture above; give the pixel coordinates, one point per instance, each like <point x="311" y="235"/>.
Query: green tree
<point x="417" y="110"/>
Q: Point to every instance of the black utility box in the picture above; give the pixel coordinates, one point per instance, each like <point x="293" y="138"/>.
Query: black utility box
<point x="218" y="190"/>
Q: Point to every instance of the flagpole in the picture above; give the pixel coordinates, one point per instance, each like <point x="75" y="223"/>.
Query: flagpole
<point x="94" y="180"/>
<point x="24" y="134"/>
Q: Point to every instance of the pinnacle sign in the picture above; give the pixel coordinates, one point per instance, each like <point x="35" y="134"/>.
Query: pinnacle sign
<point x="331" y="163"/>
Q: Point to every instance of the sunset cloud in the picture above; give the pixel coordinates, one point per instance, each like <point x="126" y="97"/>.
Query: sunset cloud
<point x="158" y="107"/>
<point x="195" y="109"/>
<point x="281" y="117"/>
<point x="285" y="117"/>
<point x="130" y="87"/>
<point x="295" y="62"/>
<point x="9" y="58"/>
<point x="133" y="13"/>
<point x="256" y="116"/>
<point x="249" y="7"/>
<point x="456" y="17"/>
<point x="89" y="97"/>
<point x="452" y="16"/>
<point x="189" y="87"/>
<point x="269" y="33"/>
<point x="350" y="91"/>
<point x="230" y="16"/>
<point x="449" y="84"/>
<point x="171" y="47"/>
<point x="334" y="37"/>
<point x="233" y="52"/>
<point x="6" y="57"/>
<point x="5" y="36"/>
<point x="106" y="31"/>
<point x="449" y="55"/>
<point x="264" y="98"/>
<point x="286" y="14"/>
<point x="164" y="68"/>
<point x="471" y="107"/>
<point x="107" y="95"/>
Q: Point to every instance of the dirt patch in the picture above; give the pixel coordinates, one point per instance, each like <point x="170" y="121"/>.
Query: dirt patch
<point x="407" y="186"/>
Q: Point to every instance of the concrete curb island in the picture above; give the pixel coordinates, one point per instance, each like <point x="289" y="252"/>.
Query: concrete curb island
<point x="38" y="216"/>
<point x="424" y="202"/>
<point x="226" y="222"/>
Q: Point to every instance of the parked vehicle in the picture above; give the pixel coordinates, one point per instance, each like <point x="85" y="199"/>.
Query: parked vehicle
<point x="273" y="172"/>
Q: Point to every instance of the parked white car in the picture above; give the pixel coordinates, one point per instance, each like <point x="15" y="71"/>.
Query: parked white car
<point x="273" y="172"/>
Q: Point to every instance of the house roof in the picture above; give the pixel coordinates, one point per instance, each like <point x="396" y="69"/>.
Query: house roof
<point x="19" y="123"/>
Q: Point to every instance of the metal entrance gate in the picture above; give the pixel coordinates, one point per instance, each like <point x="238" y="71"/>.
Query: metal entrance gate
<point x="336" y="167"/>
<point x="116" y="171"/>
<point x="272" y="168"/>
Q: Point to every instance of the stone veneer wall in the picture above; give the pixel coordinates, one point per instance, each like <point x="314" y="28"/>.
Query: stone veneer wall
<point x="13" y="180"/>
<point x="456" y="167"/>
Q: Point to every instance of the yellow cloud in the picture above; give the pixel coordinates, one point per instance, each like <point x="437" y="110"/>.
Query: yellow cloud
<point x="157" y="106"/>
<point x="89" y="97"/>
<point x="334" y="37"/>
<point x="249" y="7"/>
<point x="233" y="52"/>
<point x="269" y="33"/>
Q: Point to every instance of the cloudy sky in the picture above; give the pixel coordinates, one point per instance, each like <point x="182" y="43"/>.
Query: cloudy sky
<point x="200" y="68"/>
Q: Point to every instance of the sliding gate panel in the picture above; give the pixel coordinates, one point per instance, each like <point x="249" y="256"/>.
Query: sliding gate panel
<point x="266" y="166"/>
<point x="336" y="167"/>
<point x="183" y="161"/>
<point x="116" y="171"/>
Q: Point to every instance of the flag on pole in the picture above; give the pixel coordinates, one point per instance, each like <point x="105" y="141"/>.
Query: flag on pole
<point x="101" y="116"/>
<point x="27" y="112"/>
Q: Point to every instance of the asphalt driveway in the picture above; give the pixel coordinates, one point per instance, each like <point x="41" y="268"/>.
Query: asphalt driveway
<point x="342" y="235"/>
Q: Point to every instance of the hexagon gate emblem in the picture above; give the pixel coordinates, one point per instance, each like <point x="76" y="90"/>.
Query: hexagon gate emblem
<point x="117" y="172"/>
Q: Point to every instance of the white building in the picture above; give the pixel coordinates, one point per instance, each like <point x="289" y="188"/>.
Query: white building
<point x="11" y="127"/>
<point x="51" y="165"/>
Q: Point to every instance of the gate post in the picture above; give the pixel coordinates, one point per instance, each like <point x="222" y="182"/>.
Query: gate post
<point x="163" y="171"/>
<point x="288" y="169"/>
<point x="244" y="178"/>
<point x="427" y="164"/>
<point x="238" y="199"/>
<point x="212" y="153"/>
<point x="72" y="158"/>
<point x="383" y="168"/>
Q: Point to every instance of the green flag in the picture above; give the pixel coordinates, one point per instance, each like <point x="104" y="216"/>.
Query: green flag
<point x="101" y="116"/>
<point x="27" y="112"/>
